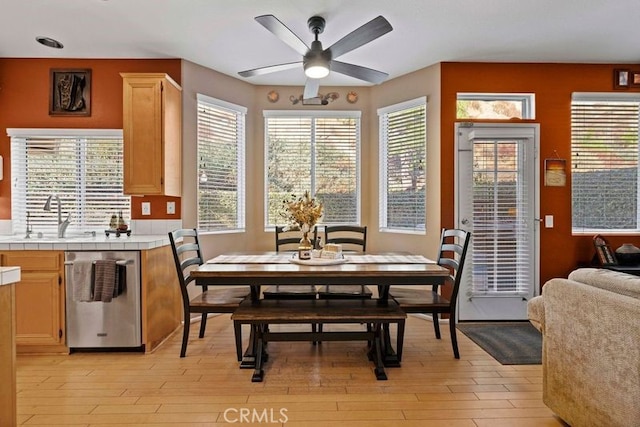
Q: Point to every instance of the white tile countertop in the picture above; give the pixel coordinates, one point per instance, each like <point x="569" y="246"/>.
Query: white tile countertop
<point x="84" y="242"/>
<point x="9" y="275"/>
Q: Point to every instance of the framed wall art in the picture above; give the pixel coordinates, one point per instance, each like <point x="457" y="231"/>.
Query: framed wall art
<point x="70" y="92"/>
<point x="621" y="78"/>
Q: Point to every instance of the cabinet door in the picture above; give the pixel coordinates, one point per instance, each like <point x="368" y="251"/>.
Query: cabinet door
<point x="142" y="126"/>
<point x="39" y="300"/>
<point x="152" y="126"/>
<point x="38" y="309"/>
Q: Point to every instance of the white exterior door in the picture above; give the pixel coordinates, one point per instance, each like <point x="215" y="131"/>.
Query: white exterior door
<point x="497" y="175"/>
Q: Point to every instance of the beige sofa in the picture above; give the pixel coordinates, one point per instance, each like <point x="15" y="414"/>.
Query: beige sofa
<point x="591" y="347"/>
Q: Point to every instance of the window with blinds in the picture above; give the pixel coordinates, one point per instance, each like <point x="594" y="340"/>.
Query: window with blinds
<point x="317" y="151"/>
<point x="604" y="163"/>
<point x="221" y="165"/>
<point x="83" y="167"/>
<point x="403" y="159"/>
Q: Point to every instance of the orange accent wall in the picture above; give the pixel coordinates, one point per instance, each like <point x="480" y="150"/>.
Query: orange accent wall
<point x="24" y="103"/>
<point x="553" y="84"/>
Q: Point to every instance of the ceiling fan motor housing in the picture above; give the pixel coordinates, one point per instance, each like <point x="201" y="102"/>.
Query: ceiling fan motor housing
<point x="316" y="25"/>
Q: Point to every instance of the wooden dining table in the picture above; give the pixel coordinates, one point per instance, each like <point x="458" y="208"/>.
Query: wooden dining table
<point x="379" y="270"/>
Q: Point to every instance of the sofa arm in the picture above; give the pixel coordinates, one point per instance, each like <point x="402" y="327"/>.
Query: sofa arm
<point x="591" y="359"/>
<point x="535" y="312"/>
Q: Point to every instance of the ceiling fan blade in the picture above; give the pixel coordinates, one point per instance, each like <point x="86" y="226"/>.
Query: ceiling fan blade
<point x="269" y="69"/>
<point x="283" y="32"/>
<point x="311" y="88"/>
<point x="360" y="36"/>
<point x="362" y="73"/>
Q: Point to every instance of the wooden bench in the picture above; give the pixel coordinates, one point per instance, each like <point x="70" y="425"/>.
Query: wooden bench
<point x="374" y="313"/>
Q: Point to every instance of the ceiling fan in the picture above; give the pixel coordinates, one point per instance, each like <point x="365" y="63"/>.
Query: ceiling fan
<point x="317" y="61"/>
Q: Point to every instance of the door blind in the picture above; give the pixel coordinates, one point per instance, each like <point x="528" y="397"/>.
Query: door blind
<point x="501" y="247"/>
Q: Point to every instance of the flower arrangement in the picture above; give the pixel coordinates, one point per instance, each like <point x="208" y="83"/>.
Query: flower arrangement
<point x="301" y="212"/>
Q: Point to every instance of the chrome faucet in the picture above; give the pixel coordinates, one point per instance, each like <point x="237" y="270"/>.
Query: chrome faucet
<point x="62" y="225"/>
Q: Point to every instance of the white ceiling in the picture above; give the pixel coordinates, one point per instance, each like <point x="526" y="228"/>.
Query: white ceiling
<point x="222" y="34"/>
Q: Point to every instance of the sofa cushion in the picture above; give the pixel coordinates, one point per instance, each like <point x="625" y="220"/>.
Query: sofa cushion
<point x="535" y="312"/>
<point x="614" y="281"/>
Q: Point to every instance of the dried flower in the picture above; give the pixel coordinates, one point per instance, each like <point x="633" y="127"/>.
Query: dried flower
<point x="301" y="212"/>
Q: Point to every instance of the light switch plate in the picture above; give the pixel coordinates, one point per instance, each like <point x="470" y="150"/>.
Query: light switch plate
<point x="171" y="208"/>
<point x="548" y="221"/>
<point x="146" y="208"/>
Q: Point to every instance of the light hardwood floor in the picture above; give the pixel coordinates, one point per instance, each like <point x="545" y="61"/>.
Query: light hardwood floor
<point x="328" y="385"/>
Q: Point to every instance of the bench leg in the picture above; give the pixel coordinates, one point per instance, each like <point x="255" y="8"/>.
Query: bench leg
<point x="258" y="373"/>
<point x="400" y="340"/>
<point x="249" y="357"/>
<point x="381" y="375"/>
<point x="237" y="330"/>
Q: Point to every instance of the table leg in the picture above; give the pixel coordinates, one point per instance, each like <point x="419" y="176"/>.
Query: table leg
<point x="389" y="356"/>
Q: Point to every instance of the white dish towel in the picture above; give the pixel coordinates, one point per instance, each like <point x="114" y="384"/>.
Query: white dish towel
<point x="81" y="276"/>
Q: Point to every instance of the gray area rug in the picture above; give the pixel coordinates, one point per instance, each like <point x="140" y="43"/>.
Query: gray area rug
<point x="510" y="343"/>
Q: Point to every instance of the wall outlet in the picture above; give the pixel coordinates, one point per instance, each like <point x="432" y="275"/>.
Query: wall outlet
<point x="171" y="208"/>
<point x="146" y="208"/>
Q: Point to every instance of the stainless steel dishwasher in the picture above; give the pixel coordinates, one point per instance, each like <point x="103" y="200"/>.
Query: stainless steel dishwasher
<point x="104" y="325"/>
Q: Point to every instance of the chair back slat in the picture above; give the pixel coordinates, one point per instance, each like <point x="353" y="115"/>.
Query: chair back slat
<point x="452" y="254"/>
<point x="287" y="240"/>
<point x="185" y="255"/>
<point x="354" y="237"/>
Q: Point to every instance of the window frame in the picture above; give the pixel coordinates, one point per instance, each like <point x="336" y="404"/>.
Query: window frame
<point x="383" y="215"/>
<point x="604" y="97"/>
<point x="315" y="114"/>
<point x="240" y="112"/>
<point x="528" y="101"/>
<point x="19" y="137"/>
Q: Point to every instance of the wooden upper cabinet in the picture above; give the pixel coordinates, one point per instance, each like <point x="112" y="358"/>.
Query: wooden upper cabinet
<point x="152" y="126"/>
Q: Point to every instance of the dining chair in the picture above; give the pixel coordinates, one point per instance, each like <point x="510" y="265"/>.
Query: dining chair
<point x="451" y="254"/>
<point x="289" y="241"/>
<point x="187" y="255"/>
<point x="353" y="238"/>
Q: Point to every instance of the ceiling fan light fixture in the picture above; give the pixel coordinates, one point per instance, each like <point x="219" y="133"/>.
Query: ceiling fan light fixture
<point x="316" y="69"/>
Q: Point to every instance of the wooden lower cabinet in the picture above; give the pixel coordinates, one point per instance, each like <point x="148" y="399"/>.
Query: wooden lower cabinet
<point x="39" y="300"/>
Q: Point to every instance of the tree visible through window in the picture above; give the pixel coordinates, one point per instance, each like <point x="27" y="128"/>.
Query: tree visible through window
<point x="318" y="152"/>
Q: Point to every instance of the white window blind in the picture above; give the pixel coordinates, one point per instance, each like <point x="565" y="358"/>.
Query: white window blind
<point x="316" y="151"/>
<point x="403" y="159"/>
<point x="221" y="165"/>
<point x="82" y="167"/>
<point x="604" y="158"/>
